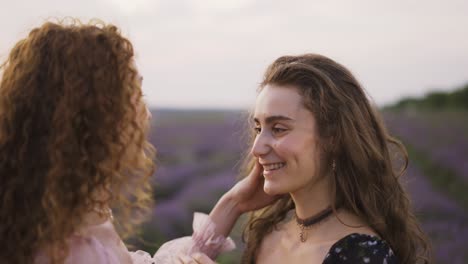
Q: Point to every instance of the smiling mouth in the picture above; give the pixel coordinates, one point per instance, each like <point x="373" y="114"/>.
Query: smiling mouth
<point x="273" y="166"/>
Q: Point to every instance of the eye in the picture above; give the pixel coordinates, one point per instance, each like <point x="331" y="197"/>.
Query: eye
<point x="278" y="129"/>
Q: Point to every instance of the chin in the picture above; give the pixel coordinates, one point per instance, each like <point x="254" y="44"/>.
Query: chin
<point x="271" y="189"/>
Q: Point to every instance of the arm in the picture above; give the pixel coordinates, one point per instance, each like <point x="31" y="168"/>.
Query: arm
<point x="247" y="195"/>
<point x="210" y="232"/>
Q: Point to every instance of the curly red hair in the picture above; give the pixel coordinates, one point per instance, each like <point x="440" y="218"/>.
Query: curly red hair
<point x="70" y="127"/>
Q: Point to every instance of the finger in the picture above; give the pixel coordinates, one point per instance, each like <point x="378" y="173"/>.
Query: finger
<point x="202" y="258"/>
<point x="258" y="166"/>
<point x="185" y="259"/>
<point x="177" y="260"/>
<point x="257" y="170"/>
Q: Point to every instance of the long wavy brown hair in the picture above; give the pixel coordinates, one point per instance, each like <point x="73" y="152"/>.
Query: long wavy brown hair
<point x="366" y="179"/>
<point x="70" y="131"/>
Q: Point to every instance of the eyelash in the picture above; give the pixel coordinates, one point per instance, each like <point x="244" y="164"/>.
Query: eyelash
<point x="278" y="129"/>
<point x="275" y="130"/>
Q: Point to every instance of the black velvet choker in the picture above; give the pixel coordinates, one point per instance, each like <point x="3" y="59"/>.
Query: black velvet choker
<point x="310" y="221"/>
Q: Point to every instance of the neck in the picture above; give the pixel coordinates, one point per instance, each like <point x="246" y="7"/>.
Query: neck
<point x="312" y="199"/>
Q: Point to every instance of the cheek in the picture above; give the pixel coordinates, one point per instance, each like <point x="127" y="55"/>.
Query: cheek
<point x="284" y="148"/>
<point x="303" y="152"/>
<point x="293" y="146"/>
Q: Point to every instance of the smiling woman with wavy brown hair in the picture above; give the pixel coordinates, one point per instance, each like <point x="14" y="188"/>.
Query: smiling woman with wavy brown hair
<point x="325" y="148"/>
<point x="72" y="140"/>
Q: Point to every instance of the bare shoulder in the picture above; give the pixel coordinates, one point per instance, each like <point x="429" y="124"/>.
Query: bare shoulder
<point x="85" y="250"/>
<point x="103" y="231"/>
<point x="105" y="238"/>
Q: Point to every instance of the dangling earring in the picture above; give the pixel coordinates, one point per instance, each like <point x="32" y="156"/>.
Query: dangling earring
<point x="334" y="166"/>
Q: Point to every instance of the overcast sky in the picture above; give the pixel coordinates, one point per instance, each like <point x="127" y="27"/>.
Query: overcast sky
<point x="212" y="53"/>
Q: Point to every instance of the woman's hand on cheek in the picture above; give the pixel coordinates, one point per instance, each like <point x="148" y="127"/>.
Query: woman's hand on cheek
<point x="248" y="194"/>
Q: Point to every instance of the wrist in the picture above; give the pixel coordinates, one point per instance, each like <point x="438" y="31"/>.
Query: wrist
<point x="230" y="205"/>
<point x="225" y="214"/>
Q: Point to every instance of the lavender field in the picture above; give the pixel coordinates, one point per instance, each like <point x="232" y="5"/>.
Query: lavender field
<point x="437" y="177"/>
<point x="199" y="156"/>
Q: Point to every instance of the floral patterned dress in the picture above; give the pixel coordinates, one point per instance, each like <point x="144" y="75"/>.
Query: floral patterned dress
<point x="360" y="248"/>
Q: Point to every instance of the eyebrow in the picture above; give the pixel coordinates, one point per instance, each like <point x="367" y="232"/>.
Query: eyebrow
<point x="274" y="118"/>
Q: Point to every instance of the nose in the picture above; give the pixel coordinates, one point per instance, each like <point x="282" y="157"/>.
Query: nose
<point x="261" y="145"/>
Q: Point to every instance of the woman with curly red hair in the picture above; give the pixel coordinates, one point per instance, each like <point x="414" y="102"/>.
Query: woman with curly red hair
<point x="72" y="142"/>
<point x="73" y="145"/>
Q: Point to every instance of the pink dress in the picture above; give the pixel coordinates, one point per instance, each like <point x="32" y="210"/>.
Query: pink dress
<point x="100" y="244"/>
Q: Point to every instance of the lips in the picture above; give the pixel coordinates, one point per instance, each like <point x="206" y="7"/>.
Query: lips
<point x="273" y="166"/>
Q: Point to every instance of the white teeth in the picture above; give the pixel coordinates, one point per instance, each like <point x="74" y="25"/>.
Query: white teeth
<point x="273" y="166"/>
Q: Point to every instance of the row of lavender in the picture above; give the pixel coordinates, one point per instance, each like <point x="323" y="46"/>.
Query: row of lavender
<point x="442" y="138"/>
<point x="199" y="154"/>
<point x="198" y="160"/>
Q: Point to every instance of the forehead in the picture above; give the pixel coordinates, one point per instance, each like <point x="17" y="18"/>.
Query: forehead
<point x="278" y="100"/>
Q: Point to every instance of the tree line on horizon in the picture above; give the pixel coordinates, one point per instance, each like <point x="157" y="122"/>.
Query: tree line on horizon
<point x="435" y="100"/>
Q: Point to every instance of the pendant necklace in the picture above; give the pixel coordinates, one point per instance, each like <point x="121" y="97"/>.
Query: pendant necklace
<point x="307" y="223"/>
